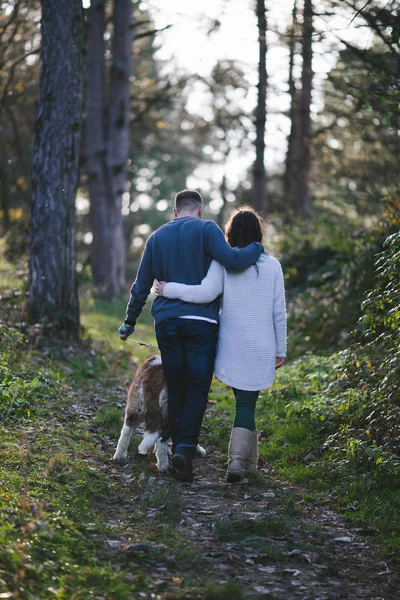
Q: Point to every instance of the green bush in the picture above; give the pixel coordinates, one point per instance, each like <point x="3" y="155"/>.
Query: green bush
<point x="327" y="275"/>
<point x="352" y="399"/>
<point x="21" y="389"/>
<point x="373" y="369"/>
<point x="335" y="421"/>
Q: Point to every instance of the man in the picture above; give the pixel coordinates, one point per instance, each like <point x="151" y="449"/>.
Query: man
<point x="182" y="251"/>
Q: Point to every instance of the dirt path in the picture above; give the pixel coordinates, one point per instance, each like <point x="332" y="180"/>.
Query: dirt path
<point x="314" y="555"/>
<point x="264" y="534"/>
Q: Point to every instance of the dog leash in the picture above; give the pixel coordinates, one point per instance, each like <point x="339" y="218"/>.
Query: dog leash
<point x="142" y="344"/>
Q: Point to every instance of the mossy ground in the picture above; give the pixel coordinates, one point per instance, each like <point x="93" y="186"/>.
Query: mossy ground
<point x="74" y="526"/>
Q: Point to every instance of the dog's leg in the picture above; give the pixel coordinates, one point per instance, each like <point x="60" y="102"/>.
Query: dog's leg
<point x="149" y="439"/>
<point x="162" y="454"/>
<point x="121" y="453"/>
<point x="152" y="422"/>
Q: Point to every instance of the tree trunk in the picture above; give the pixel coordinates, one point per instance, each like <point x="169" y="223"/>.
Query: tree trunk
<point x="222" y="212"/>
<point x="108" y="141"/>
<point x="302" y="198"/>
<point x="4" y="205"/>
<point x="292" y="154"/>
<point x="259" y="189"/>
<point x="99" y="188"/>
<point x="53" y="297"/>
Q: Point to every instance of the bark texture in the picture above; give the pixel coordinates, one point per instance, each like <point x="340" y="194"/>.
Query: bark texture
<point x="259" y="188"/>
<point x="302" y="200"/>
<point x="107" y="134"/>
<point x="53" y="295"/>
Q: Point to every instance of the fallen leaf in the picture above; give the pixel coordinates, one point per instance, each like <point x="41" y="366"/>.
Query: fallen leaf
<point x="292" y="572"/>
<point x="268" y="570"/>
<point x="260" y="589"/>
<point x="233" y="556"/>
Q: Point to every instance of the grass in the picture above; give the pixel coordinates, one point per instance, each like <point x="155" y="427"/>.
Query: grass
<point x="296" y="420"/>
<point x="232" y="531"/>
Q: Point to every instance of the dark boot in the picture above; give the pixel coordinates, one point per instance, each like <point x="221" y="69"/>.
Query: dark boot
<point x="183" y="463"/>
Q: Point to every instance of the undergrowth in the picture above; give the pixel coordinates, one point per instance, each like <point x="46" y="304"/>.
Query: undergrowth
<point x="22" y="388"/>
<point x="335" y="421"/>
<point x="328" y="269"/>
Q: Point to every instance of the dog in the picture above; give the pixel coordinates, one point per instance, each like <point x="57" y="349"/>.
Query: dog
<point x="148" y="402"/>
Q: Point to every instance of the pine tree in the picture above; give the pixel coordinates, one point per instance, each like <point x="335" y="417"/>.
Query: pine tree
<point x="53" y="296"/>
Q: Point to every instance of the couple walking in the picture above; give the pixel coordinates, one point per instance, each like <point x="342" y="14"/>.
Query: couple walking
<point x="204" y="280"/>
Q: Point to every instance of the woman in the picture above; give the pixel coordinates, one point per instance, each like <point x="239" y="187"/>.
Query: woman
<point x="252" y="332"/>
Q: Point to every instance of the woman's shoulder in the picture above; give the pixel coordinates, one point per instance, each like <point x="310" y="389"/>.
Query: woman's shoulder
<point x="270" y="262"/>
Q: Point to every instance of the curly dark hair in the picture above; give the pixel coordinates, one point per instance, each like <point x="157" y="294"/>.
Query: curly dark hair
<point x="244" y="226"/>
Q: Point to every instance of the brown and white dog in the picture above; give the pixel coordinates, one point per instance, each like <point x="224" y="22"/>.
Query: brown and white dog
<point x="148" y="403"/>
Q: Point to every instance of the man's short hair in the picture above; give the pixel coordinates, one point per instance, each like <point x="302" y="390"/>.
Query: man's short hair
<point x="188" y="200"/>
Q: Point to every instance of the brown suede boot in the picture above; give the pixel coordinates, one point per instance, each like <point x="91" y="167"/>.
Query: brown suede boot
<point x="252" y="459"/>
<point x="238" y="452"/>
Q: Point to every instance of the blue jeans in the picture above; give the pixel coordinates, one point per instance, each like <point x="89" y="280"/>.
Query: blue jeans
<point x="188" y="352"/>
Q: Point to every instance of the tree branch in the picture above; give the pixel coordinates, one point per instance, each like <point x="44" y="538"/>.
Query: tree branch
<point x="11" y="73"/>
<point x="360" y="11"/>
<point x="151" y="32"/>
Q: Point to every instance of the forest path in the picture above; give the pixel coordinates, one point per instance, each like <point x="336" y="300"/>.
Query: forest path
<point x="264" y="534"/>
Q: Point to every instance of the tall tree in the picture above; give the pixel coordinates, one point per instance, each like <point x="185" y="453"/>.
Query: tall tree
<point x="107" y="135"/>
<point x="259" y="187"/>
<point x="52" y="284"/>
<point x="301" y="197"/>
<point x="292" y="154"/>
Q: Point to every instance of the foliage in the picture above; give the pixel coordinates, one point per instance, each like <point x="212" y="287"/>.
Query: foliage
<point x="375" y="364"/>
<point x="328" y="268"/>
<point x="337" y="419"/>
<point x="19" y="72"/>
<point x="356" y="142"/>
<point x="21" y="389"/>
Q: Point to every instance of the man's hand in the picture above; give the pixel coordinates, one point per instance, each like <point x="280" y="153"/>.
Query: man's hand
<point x="125" y="331"/>
<point x="160" y="288"/>
<point x="279" y="360"/>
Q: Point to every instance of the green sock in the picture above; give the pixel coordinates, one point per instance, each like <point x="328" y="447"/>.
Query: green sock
<point x="245" y="407"/>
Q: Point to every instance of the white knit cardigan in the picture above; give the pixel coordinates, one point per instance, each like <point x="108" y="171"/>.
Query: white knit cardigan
<point x="252" y="330"/>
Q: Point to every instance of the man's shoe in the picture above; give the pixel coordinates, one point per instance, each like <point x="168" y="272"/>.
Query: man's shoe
<point x="183" y="462"/>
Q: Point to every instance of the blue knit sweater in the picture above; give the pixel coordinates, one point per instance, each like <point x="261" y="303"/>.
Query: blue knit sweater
<point x="182" y="251"/>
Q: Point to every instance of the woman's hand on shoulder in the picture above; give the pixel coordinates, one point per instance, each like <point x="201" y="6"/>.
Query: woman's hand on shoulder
<point x="279" y="360"/>
<point x="160" y="288"/>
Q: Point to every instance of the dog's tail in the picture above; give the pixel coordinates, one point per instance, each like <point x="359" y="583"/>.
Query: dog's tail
<point x="149" y="439"/>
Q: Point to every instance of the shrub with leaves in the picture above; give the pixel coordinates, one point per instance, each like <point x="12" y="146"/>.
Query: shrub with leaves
<point x="327" y="276"/>
<point x="376" y="363"/>
<point x="21" y="389"/>
<point x="357" y="411"/>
